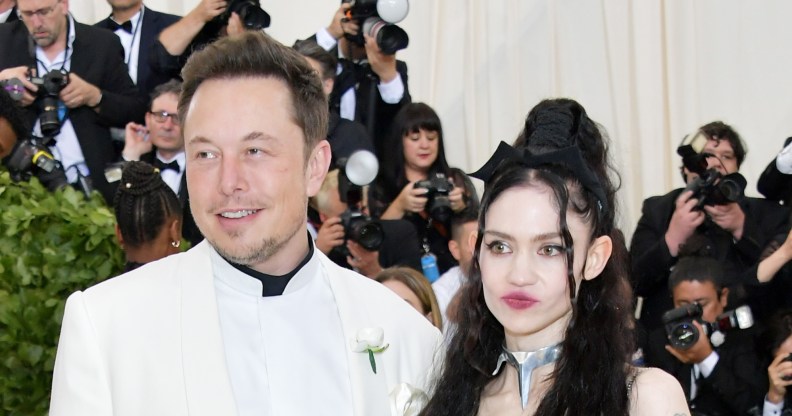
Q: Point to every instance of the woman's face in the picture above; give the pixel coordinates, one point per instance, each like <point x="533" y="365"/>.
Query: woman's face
<point x="420" y="149"/>
<point x="523" y="266"/>
<point x="404" y="292"/>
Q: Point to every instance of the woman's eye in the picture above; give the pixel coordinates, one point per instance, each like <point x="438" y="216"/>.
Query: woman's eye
<point x="498" y="247"/>
<point x="551" y="250"/>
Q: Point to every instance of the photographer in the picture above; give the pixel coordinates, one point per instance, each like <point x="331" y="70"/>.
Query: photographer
<point x="96" y="93"/>
<point x="777" y="341"/>
<point x="775" y="183"/>
<point x="738" y="230"/>
<point x="399" y="246"/>
<point x="208" y="21"/>
<point x="371" y="86"/>
<point x="720" y="370"/>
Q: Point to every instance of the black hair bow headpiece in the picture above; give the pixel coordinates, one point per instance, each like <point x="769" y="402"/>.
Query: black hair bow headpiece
<point x="569" y="157"/>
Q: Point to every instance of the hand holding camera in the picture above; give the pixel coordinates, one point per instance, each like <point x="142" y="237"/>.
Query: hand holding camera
<point x="684" y="221"/>
<point x="780" y="375"/>
<point x="696" y="352"/>
<point x="730" y="217"/>
<point x="331" y="234"/>
<point x="384" y="65"/>
<point x="20" y="73"/>
<point x="209" y="9"/>
<point x="79" y="92"/>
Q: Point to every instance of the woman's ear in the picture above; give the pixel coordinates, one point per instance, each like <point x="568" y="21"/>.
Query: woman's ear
<point x="175" y="230"/>
<point x="119" y="237"/>
<point x="597" y="257"/>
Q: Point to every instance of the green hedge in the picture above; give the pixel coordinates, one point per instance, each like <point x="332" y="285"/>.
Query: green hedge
<point x="51" y="244"/>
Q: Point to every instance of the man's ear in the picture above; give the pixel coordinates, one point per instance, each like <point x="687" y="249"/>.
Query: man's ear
<point x="453" y="247"/>
<point x="317" y="166"/>
<point x="597" y="257"/>
<point x="472" y="241"/>
<point x="724" y="297"/>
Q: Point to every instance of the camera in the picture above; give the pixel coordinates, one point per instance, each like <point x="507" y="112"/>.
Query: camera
<point x="437" y="189"/>
<point x="354" y="173"/>
<point x="377" y="19"/>
<point x="249" y="11"/>
<point x="31" y="156"/>
<point x="683" y="334"/>
<point x="710" y="187"/>
<point x="49" y="88"/>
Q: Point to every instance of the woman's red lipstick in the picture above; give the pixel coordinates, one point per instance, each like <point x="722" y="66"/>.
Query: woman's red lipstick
<point x="519" y="300"/>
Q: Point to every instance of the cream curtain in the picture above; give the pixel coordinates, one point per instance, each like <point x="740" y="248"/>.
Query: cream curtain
<point x="648" y="71"/>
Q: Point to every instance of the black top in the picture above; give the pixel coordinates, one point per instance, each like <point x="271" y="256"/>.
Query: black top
<point x="274" y="285"/>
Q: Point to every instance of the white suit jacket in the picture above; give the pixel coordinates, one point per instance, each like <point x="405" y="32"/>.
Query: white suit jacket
<point x="149" y="343"/>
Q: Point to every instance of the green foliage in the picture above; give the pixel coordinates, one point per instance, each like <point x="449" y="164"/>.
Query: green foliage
<point x="51" y="244"/>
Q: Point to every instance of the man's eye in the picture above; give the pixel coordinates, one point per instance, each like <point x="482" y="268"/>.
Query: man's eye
<point x="205" y="155"/>
<point x="255" y="151"/>
<point x="498" y="247"/>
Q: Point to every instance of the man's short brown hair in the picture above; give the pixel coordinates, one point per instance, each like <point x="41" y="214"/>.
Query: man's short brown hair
<point x="254" y="54"/>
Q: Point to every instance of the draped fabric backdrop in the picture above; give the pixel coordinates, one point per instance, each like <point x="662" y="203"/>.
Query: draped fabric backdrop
<point x="648" y="71"/>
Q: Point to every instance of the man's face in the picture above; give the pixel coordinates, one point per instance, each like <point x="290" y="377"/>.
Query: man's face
<point x="704" y="293"/>
<point x="247" y="174"/>
<point x="44" y="19"/>
<point x="7" y="138"/>
<point x="723" y="158"/>
<point x="124" y="4"/>
<point x="165" y="131"/>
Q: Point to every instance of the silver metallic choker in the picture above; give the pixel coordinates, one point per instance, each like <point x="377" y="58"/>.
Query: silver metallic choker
<point x="525" y="363"/>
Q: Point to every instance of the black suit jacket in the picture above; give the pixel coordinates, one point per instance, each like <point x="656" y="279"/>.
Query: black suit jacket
<point x="13" y="16"/>
<point x="153" y="23"/>
<point x="190" y="229"/>
<point x="346" y="137"/>
<point x="734" y="386"/>
<point x="652" y="261"/>
<point x="98" y="58"/>
<point x="773" y="184"/>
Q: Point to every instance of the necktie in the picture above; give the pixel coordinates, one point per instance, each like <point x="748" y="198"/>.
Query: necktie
<point x="126" y="26"/>
<point x="162" y="166"/>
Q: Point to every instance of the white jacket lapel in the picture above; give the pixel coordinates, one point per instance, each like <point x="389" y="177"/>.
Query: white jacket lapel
<point x="369" y="390"/>
<point x="206" y="379"/>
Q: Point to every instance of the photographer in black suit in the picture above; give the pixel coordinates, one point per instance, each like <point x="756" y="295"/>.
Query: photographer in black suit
<point x="737" y="231"/>
<point x="97" y="93"/>
<point x="137" y="27"/>
<point x="371" y="86"/>
<point x="720" y="372"/>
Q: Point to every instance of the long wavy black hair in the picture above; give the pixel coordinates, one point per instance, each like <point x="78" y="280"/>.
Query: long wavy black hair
<point x="592" y="371"/>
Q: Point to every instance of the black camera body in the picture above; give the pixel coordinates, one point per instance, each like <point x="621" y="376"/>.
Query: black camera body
<point x="32" y="156"/>
<point x="49" y="88"/>
<point x="250" y="11"/>
<point x="437" y="190"/>
<point x="390" y="38"/>
<point x="710" y="187"/>
<point x="683" y="334"/>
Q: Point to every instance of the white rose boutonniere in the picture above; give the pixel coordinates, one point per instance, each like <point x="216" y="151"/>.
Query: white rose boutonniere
<point x="370" y="340"/>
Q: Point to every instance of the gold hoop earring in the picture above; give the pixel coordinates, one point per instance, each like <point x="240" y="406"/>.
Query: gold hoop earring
<point x="176" y="244"/>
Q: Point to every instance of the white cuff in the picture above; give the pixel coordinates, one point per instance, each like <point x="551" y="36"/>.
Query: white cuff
<point x="392" y="91"/>
<point x="772" y="409"/>
<point x="325" y="39"/>
<point x="708" y="365"/>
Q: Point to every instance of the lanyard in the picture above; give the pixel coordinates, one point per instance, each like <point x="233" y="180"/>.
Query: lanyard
<point x="134" y="34"/>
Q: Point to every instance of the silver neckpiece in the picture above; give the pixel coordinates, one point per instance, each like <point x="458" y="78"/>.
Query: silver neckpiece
<point x="525" y="363"/>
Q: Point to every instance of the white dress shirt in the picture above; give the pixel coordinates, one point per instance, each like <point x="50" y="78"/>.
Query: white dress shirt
<point x="286" y="355"/>
<point x="171" y="177"/>
<point x="131" y="43"/>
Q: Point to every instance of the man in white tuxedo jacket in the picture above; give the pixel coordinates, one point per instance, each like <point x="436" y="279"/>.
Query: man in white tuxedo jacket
<point x="254" y="320"/>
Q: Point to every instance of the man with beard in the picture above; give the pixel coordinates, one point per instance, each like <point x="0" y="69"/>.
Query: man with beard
<point x="98" y="93"/>
<point x="254" y="320"/>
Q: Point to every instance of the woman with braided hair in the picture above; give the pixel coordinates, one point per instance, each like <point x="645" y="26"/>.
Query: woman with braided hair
<point x="545" y="324"/>
<point x="148" y="215"/>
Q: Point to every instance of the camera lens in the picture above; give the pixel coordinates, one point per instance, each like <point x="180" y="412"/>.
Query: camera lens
<point x="367" y="233"/>
<point x="683" y="335"/>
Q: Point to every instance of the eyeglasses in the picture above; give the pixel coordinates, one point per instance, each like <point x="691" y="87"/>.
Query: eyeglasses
<point x="41" y="13"/>
<point x="161" y="116"/>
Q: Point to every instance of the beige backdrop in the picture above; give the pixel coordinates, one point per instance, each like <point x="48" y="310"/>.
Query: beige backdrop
<point x="649" y="71"/>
